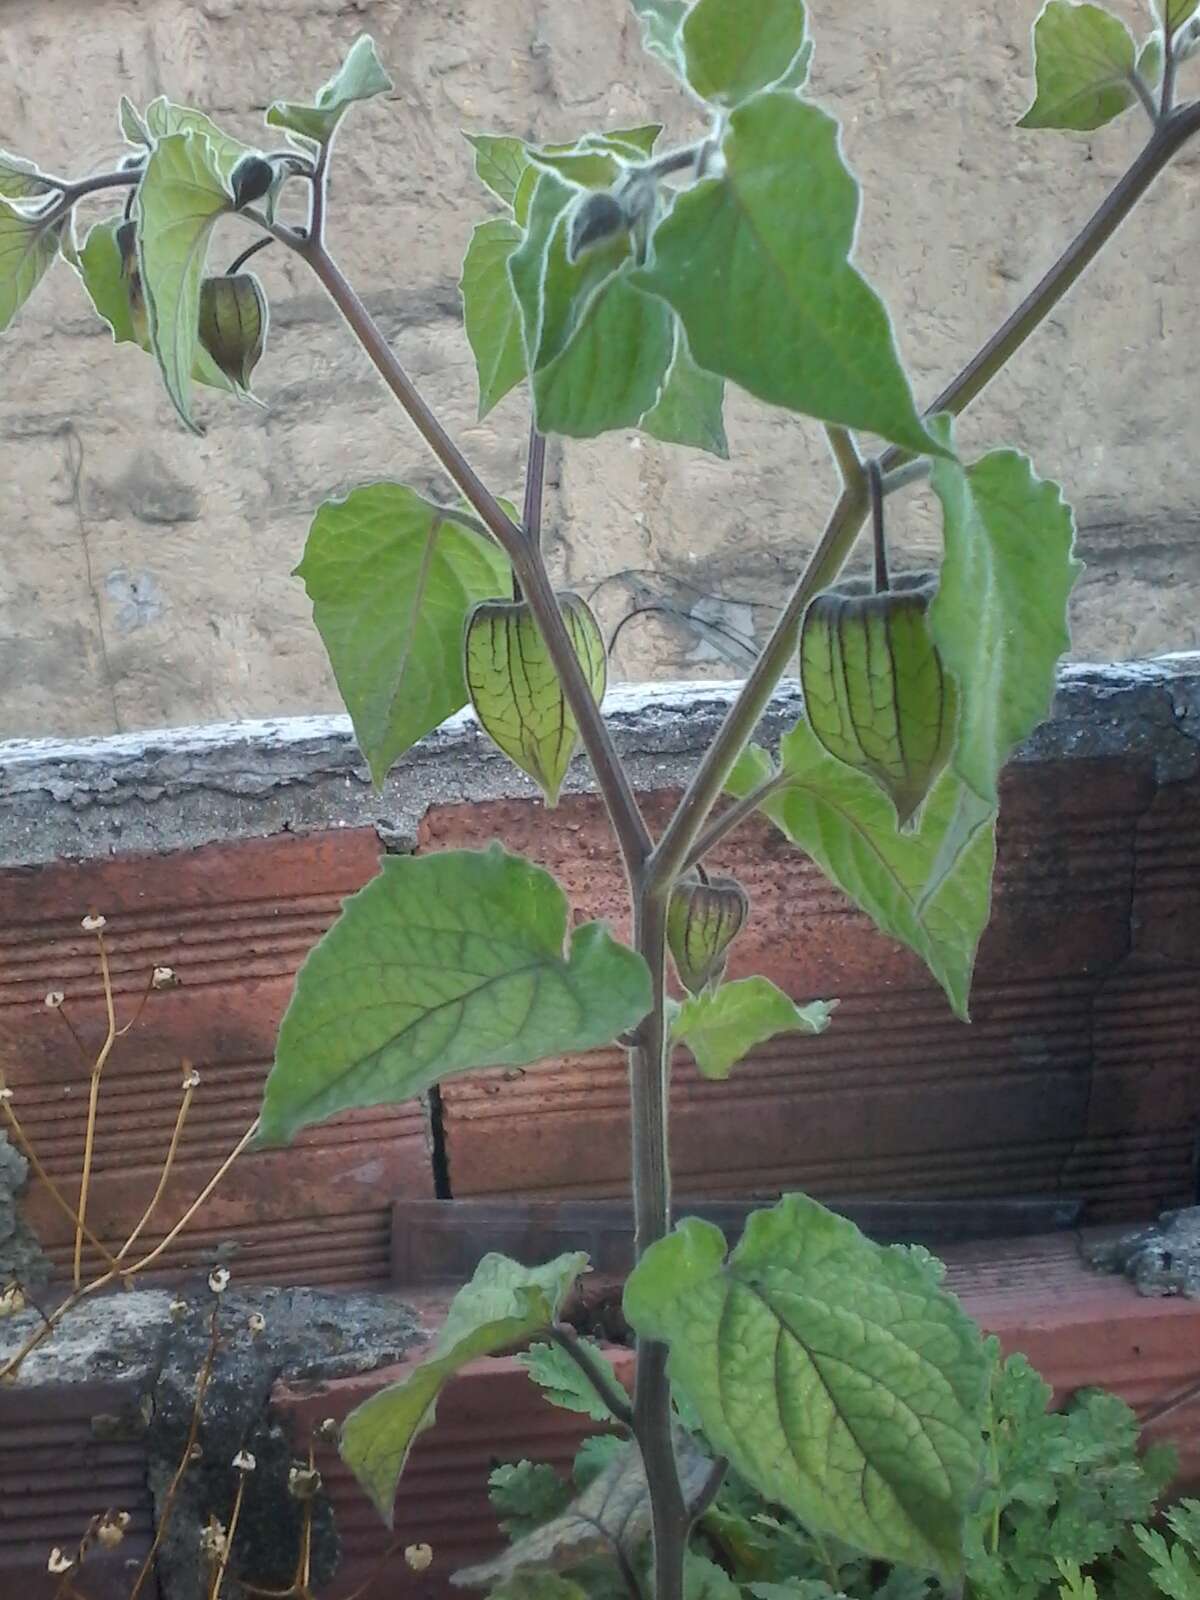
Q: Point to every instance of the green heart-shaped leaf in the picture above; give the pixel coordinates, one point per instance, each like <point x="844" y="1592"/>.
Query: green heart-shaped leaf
<point x="734" y="48"/>
<point x="360" y="77"/>
<point x="722" y="1026"/>
<point x="999" y="619"/>
<point x="180" y="198"/>
<point x="756" y="263"/>
<point x="392" y="578"/>
<point x="929" y="888"/>
<point x="490" y="311"/>
<point x="28" y="246"/>
<point x="443" y="964"/>
<point x="503" y="1304"/>
<point x="1084" y="61"/>
<point x="836" y="1375"/>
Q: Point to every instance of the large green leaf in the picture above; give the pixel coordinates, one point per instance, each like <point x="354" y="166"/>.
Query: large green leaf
<point x="999" y="619"/>
<point x="163" y="119"/>
<point x="27" y="248"/>
<point x="1084" y="62"/>
<point x="392" y="578"/>
<point x="443" y="964"/>
<point x="490" y="311"/>
<point x="360" y="77"/>
<point x="503" y="1304"/>
<point x="734" y="48"/>
<point x="756" y="263"/>
<point x="722" y="1026"/>
<point x="114" y="285"/>
<point x="20" y="179"/>
<point x="930" y="888"/>
<point x="836" y="1375"/>
<point x="690" y="407"/>
<point x="598" y="350"/>
<point x="179" y="200"/>
<point x="611" y="1517"/>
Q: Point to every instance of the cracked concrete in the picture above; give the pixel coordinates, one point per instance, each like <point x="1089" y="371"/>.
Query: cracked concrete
<point x="189" y="786"/>
<point x="158" y="1350"/>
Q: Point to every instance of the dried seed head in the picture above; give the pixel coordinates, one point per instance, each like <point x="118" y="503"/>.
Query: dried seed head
<point x="191" y="1079"/>
<point x="164" y="978"/>
<point x="418" y="1557"/>
<point x="327" y="1431"/>
<point x="58" y="1563"/>
<point x="5" y="1092"/>
<point x="94" y="923"/>
<point x="218" y="1280"/>
<point x="244" y="1461"/>
<point x="256" y="1322"/>
<point x="213" y="1541"/>
<point x="196" y="1453"/>
<point x="54" y="999"/>
<point x="12" y="1300"/>
<point x="178" y="1309"/>
<point x="111" y="1529"/>
<point x="304" y="1482"/>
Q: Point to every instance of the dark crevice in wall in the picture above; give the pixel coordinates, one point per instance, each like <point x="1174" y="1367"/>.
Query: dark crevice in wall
<point x="438" y="1154"/>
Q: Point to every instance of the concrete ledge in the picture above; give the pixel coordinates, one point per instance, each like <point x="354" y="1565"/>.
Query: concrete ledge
<point x="179" y="787"/>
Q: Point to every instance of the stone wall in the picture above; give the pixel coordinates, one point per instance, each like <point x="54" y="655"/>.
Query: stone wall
<point x="144" y="579"/>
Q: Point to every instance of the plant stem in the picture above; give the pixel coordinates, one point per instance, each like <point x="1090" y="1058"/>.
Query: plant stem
<point x="89" y="1141"/>
<point x="1170" y="64"/>
<point x="728" y="820"/>
<point x="878" y="534"/>
<point x="1142" y="89"/>
<point x="535" y="479"/>
<point x="847" y="517"/>
<point x="628" y="824"/>
<point x="251" y="250"/>
<point x="649" y="1063"/>
<point x="609" y="1391"/>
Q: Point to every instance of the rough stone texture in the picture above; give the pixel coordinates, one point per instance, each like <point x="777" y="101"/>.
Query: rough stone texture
<point x="1160" y="1260"/>
<point x="145" y="579"/>
<point x="156" y="1356"/>
<point x="161" y="791"/>
<point x="21" y="1257"/>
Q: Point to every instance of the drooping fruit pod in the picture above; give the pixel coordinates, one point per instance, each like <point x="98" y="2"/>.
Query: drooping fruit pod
<point x="250" y="180"/>
<point x="703" y="920"/>
<point x="875" y="691"/>
<point x="515" y="690"/>
<point x="233" y="324"/>
<point x="126" y="237"/>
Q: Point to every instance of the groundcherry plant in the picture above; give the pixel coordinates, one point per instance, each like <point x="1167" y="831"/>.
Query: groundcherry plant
<point x="626" y="284"/>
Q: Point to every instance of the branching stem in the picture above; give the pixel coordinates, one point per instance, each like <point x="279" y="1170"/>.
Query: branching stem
<point x="609" y="1391"/>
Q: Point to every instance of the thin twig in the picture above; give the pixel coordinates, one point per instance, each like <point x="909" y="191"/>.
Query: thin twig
<point x="1170" y="63"/>
<point x="25" y="1144"/>
<point x="185" y="1105"/>
<point x="214" y="1592"/>
<point x="74" y="1032"/>
<point x="251" y="250"/>
<point x="732" y="817"/>
<point x="606" y="1387"/>
<point x="141" y="1006"/>
<point x="140" y="1266"/>
<point x="202" y="1382"/>
<point x="845" y="453"/>
<point x="710" y="1489"/>
<point x="878" y="534"/>
<point x="110" y="1039"/>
